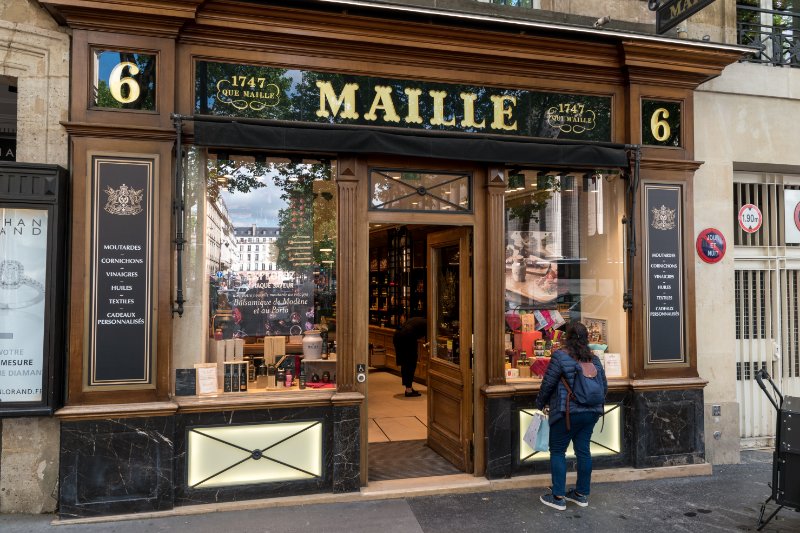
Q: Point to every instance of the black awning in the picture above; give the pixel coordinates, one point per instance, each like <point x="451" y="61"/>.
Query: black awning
<point x="325" y="139"/>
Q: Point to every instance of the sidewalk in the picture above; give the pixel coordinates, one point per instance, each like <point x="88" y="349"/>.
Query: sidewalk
<point x="729" y="500"/>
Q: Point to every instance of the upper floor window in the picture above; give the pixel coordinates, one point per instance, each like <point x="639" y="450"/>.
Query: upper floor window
<point x="772" y="26"/>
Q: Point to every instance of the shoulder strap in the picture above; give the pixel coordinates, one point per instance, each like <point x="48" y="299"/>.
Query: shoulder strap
<point x="570" y="396"/>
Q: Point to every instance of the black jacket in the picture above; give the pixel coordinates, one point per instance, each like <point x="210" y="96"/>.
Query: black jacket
<point x="553" y="392"/>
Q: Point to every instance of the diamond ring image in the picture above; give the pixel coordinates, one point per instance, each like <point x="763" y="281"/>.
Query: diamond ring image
<point x="13" y="278"/>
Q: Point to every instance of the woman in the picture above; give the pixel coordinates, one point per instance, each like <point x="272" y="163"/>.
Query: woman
<point x="553" y="396"/>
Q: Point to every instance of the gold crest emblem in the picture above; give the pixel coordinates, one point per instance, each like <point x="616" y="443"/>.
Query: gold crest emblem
<point x="663" y="218"/>
<point x="124" y="201"/>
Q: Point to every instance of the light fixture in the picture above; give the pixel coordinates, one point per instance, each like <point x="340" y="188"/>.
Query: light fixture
<point x="568" y="183"/>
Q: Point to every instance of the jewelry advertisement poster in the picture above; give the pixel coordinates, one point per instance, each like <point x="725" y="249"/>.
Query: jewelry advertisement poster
<point x="23" y="268"/>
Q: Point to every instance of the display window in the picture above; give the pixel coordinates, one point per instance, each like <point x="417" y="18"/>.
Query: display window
<point x="564" y="261"/>
<point x="266" y="250"/>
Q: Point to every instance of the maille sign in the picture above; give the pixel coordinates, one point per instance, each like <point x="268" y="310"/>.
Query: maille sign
<point x="235" y="90"/>
<point x="673" y="12"/>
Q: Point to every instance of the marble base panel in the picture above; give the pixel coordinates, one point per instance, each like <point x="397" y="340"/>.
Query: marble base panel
<point x="668" y="428"/>
<point x="118" y="466"/>
<point x="503" y="438"/>
<point x="115" y="466"/>
<point x="346" y="449"/>
<point x="186" y="495"/>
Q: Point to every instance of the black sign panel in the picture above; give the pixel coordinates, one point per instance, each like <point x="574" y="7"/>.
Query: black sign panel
<point x="120" y="295"/>
<point x="673" y="12"/>
<point x="263" y="92"/>
<point x="661" y="123"/>
<point x="664" y="274"/>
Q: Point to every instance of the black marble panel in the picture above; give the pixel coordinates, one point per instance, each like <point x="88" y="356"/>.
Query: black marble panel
<point x="668" y="428"/>
<point x="115" y="466"/>
<point x="624" y="458"/>
<point x="346" y="449"/>
<point x="499" y="437"/>
<point x="185" y="495"/>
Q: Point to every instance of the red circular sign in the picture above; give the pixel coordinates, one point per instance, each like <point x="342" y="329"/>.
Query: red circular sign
<point x="797" y="215"/>
<point x="750" y="218"/>
<point x="711" y="245"/>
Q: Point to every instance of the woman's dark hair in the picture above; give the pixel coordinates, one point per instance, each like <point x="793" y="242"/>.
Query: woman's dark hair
<point x="577" y="342"/>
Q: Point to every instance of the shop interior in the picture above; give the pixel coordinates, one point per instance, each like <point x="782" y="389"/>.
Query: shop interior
<point x="398" y="293"/>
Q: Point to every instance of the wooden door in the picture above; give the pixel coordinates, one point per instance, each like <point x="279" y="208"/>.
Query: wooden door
<point x="450" y="335"/>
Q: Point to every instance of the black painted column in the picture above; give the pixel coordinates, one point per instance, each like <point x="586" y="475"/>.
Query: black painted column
<point x="499" y="445"/>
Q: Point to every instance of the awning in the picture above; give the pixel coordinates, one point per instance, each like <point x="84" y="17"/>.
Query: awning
<point x="326" y="139"/>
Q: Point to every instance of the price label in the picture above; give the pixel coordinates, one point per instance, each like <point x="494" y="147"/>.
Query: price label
<point x="750" y="218"/>
<point x="711" y="245"/>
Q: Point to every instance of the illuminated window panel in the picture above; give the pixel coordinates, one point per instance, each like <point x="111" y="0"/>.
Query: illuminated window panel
<point x="606" y="438"/>
<point x="251" y="454"/>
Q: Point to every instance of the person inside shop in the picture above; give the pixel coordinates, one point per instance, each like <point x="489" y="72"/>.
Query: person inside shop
<point x="573" y="392"/>
<point x="405" y="349"/>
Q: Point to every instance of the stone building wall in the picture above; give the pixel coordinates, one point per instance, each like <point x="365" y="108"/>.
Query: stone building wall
<point x="36" y="52"/>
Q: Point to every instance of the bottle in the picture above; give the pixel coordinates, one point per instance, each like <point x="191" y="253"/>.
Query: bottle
<point x="243" y="375"/>
<point x="226" y="387"/>
<point x="280" y="378"/>
<point x="289" y="378"/>
<point x="302" y="379"/>
<point x="271" y="377"/>
<point x="218" y="334"/>
<point x="234" y="378"/>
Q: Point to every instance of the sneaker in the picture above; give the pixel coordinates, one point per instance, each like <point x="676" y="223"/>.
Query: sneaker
<point x="551" y="501"/>
<point x="578" y="499"/>
<point x="412" y="394"/>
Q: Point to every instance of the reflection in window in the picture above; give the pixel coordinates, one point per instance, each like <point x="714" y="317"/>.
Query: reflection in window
<point x="124" y="80"/>
<point x="292" y="203"/>
<point x="420" y="191"/>
<point x="564" y="260"/>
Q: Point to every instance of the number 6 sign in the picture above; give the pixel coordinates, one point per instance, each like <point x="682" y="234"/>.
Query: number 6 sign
<point x="750" y="218"/>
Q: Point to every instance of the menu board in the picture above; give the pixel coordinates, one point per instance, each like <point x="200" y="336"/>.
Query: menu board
<point x="120" y="294"/>
<point x="23" y="269"/>
<point x="664" y="274"/>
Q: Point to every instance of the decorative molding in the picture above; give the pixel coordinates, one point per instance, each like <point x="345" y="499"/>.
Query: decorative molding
<point x="674" y="65"/>
<point x="117" y="131"/>
<point x="155" y="18"/>
<point x="680" y="165"/>
<point x="125" y="410"/>
<point x="640" y="385"/>
<point x="250" y="401"/>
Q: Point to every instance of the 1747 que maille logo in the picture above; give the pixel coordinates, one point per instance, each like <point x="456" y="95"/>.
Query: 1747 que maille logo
<point x="124" y="201"/>
<point x="248" y="91"/>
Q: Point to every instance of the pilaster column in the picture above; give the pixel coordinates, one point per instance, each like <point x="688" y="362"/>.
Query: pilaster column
<point x="495" y="275"/>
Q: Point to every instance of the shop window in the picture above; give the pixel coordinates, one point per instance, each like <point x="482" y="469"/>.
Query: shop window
<point x="564" y="262"/>
<point x="124" y="80"/>
<point x="253" y="314"/>
<point x="402" y="190"/>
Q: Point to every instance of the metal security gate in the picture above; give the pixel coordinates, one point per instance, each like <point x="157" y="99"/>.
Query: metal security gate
<point x="767" y="288"/>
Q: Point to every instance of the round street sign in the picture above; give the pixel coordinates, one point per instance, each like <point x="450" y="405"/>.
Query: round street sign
<point x="750" y="218"/>
<point x="797" y="215"/>
<point x="711" y="245"/>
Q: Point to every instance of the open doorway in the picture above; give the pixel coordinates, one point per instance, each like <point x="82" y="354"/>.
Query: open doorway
<point x="419" y="273"/>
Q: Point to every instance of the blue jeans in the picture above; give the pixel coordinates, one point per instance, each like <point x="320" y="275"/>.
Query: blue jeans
<point x="581" y="427"/>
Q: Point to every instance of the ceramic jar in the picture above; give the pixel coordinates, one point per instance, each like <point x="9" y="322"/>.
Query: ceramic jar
<point x="312" y="344"/>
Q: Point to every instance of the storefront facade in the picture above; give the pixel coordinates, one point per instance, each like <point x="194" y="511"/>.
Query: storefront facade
<point x="362" y="119"/>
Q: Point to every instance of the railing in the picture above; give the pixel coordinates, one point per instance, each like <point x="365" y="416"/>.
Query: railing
<point x="775" y="33"/>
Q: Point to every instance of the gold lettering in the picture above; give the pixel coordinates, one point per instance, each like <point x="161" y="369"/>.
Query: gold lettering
<point x="438" y="110"/>
<point x="346" y="99"/>
<point x="501" y="112"/>
<point x="116" y="82"/>
<point x="383" y="101"/>
<point x="469" y="111"/>
<point x="413" y="106"/>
